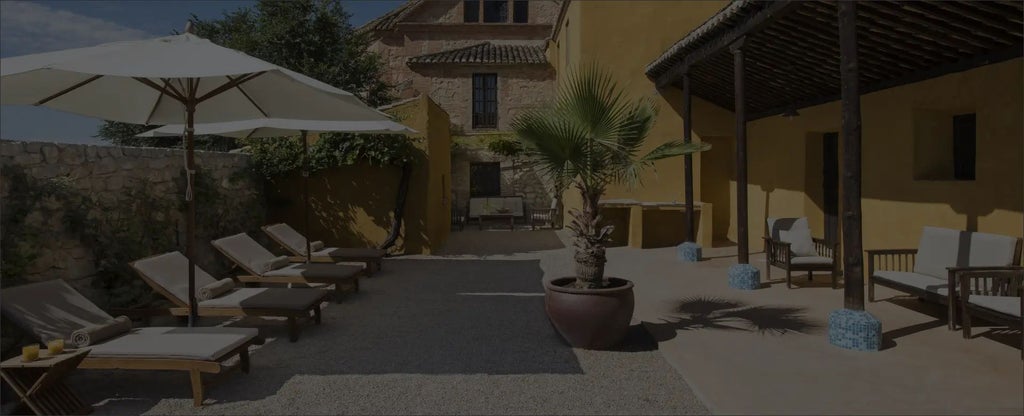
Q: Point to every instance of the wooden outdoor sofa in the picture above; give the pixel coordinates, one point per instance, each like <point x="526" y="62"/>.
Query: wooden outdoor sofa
<point x="167" y="274"/>
<point x="789" y="246"/>
<point x="931" y="270"/>
<point x="53" y="309"/>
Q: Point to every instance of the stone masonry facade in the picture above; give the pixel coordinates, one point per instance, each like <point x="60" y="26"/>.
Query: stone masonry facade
<point x="435" y="28"/>
<point x="105" y="173"/>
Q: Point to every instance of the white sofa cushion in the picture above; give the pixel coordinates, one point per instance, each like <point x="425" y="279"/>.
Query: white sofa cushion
<point x="794" y="231"/>
<point x="811" y="260"/>
<point x="1009" y="305"/>
<point x="941" y="248"/>
<point x="917" y="280"/>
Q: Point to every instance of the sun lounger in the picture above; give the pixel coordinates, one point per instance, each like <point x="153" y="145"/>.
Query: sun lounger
<point x="52" y="309"/>
<point x="992" y="294"/>
<point x="261" y="267"/>
<point x="295" y="243"/>
<point x="167" y="274"/>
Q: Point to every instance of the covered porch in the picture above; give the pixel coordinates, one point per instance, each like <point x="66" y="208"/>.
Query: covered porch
<point x="916" y="67"/>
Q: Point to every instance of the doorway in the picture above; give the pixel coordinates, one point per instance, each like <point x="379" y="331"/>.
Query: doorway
<point x="830" y="185"/>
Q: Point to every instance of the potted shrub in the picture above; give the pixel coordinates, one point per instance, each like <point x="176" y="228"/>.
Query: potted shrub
<point x="590" y="137"/>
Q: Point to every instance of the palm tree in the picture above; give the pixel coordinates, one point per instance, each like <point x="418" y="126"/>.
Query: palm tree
<point x="590" y="137"/>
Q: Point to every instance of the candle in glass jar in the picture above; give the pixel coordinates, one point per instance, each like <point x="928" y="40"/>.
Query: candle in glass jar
<point x="30" y="353"/>
<point x="55" y="346"/>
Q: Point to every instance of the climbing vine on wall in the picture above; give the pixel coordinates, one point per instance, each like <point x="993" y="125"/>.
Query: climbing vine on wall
<point x="274" y="157"/>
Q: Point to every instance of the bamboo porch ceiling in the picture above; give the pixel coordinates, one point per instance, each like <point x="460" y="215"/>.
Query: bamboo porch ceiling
<point x="792" y="48"/>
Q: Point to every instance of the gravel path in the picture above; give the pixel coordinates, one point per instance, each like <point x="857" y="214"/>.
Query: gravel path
<point x="426" y="336"/>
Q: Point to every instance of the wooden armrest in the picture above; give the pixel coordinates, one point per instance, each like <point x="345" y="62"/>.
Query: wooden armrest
<point x="777" y="251"/>
<point x="1003" y="281"/>
<point x="877" y="252"/>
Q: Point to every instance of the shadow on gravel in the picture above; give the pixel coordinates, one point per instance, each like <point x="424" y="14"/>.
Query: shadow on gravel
<point x="416" y="317"/>
<point x="704" y="313"/>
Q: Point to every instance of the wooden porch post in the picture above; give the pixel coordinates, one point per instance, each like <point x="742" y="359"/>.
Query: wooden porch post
<point x="853" y="274"/>
<point x="741" y="152"/>
<point x="691" y="223"/>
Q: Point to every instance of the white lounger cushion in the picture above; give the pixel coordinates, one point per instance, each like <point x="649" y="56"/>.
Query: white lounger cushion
<point x="245" y="251"/>
<point x="350" y="253"/>
<point x="810" y="260"/>
<point x="290" y="238"/>
<point x="941" y="248"/>
<point x="206" y="344"/>
<point x="50" y="309"/>
<point x="318" y="271"/>
<point x="796" y="232"/>
<point x="917" y="280"/>
<point x="1009" y="305"/>
<point x="267" y="298"/>
<point x="170" y="271"/>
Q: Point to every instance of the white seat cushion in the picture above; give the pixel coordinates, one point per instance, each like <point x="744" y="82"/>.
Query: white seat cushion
<point x="794" y="231"/>
<point x="266" y="298"/>
<point x="1009" y="305"/>
<point x="917" y="280"/>
<point x="810" y="260"/>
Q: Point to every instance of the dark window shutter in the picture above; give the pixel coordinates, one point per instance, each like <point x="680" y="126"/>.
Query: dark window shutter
<point x="495" y="11"/>
<point x="471" y="11"/>
<point x="964" y="146"/>
<point x="521" y="11"/>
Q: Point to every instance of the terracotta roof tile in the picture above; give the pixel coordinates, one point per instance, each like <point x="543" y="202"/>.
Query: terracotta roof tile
<point x="486" y="53"/>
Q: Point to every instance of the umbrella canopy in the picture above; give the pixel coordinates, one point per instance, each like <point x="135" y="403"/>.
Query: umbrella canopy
<point x="278" y="127"/>
<point x="173" y="79"/>
<point x="147" y="81"/>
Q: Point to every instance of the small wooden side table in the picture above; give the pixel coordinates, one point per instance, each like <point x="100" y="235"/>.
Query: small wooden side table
<point x="40" y="383"/>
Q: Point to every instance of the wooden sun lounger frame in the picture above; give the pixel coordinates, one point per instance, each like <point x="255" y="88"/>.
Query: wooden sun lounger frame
<point x="342" y="284"/>
<point x="372" y="264"/>
<point x="195" y="368"/>
<point x="293" y="316"/>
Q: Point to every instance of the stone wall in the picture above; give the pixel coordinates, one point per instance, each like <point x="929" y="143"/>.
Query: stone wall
<point x="517" y="179"/>
<point x="109" y="175"/>
<point x="520" y="88"/>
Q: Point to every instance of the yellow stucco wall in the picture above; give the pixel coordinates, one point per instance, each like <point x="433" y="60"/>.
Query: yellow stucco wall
<point x="623" y="37"/>
<point x="785" y="165"/>
<point x="352" y="206"/>
<point x="785" y="155"/>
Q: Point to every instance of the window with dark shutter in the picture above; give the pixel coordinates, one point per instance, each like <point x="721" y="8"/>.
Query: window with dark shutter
<point x="471" y="11"/>
<point x="485" y="101"/>
<point x="964" y="146"/>
<point x="520" y="11"/>
<point x="495" y="11"/>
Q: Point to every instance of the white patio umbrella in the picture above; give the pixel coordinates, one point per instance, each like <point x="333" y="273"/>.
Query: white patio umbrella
<point x="277" y="127"/>
<point x="174" y="79"/>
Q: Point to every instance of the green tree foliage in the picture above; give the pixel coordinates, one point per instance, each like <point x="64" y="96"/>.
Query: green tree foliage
<point x="592" y="137"/>
<point x="313" y="37"/>
<point x="273" y="157"/>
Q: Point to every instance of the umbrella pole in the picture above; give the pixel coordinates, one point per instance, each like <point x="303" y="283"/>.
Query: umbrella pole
<point x="305" y="192"/>
<point x="190" y="163"/>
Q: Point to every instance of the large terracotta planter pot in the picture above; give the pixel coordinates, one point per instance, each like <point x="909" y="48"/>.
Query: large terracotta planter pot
<point x="590" y="318"/>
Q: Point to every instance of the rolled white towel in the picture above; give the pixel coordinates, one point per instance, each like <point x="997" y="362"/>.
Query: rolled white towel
<point x="272" y="264"/>
<point x="215" y="289"/>
<point x="316" y="245"/>
<point x="93" y="334"/>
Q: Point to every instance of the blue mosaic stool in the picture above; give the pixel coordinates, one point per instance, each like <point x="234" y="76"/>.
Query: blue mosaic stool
<point x="744" y="277"/>
<point x="854" y="330"/>
<point x="689" y="252"/>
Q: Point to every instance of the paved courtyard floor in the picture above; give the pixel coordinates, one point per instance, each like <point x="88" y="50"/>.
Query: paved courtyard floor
<point x="464" y="332"/>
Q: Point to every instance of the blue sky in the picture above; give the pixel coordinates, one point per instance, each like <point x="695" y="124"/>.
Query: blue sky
<point x="28" y="27"/>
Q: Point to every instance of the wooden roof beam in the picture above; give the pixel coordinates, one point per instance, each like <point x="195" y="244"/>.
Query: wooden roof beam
<point x="771" y="11"/>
